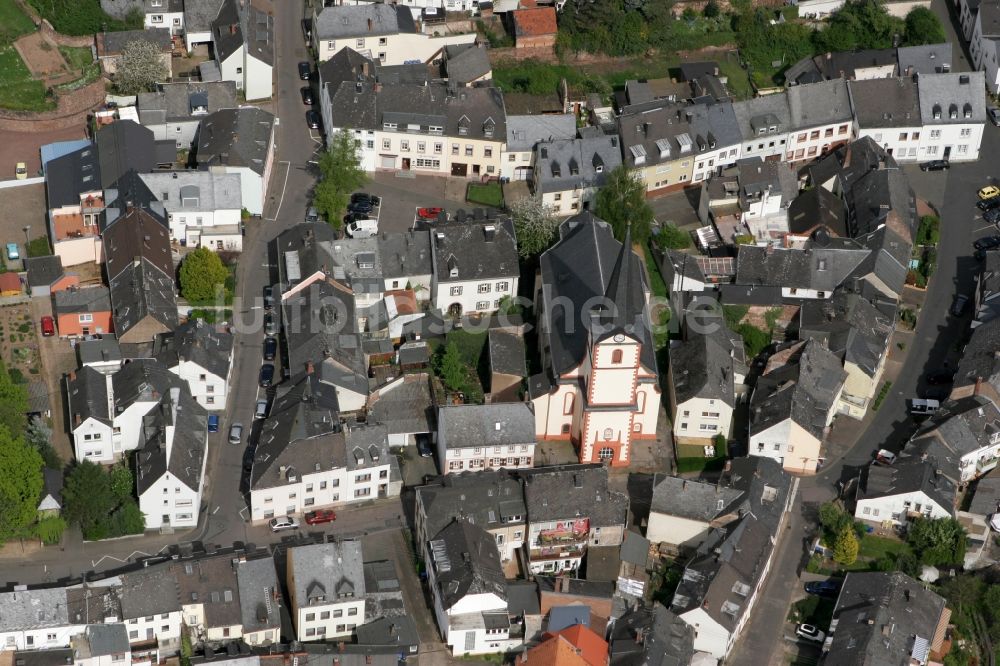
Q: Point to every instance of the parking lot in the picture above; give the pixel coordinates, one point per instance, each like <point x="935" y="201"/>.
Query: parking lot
<point x="24" y="205"/>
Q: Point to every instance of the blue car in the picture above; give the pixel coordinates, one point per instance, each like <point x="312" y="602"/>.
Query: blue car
<point x="213" y="423"/>
<point x="12" y="252"/>
<point x="824" y="588"/>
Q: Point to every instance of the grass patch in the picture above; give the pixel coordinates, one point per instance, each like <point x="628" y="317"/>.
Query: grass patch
<point x="656" y="283"/>
<point x="77" y="57"/>
<point x="488" y="194"/>
<point x="691" y="457"/>
<point x="875" y="547"/>
<point x="884" y="391"/>
<point x="470" y="349"/>
<point x="83" y="17"/>
<point x="817" y="611"/>
<point x="39" y="247"/>
<point x="14" y="22"/>
<point x="737" y="80"/>
<point x="211" y="316"/>
<point x="18" y="91"/>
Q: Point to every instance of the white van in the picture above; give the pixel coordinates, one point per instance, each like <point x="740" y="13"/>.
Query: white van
<point x="924" y="406"/>
<point x="363" y="228"/>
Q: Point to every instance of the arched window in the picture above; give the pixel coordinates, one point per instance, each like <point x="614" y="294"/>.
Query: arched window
<point x="568" y="403"/>
<point x="608" y="434"/>
<point x="640" y="401"/>
<point x="616" y="356"/>
<point x="606" y="453"/>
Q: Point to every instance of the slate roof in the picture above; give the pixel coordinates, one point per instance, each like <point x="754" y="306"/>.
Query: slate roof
<point x="90" y="299"/>
<point x="844" y="64"/>
<point x="522" y="598"/>
<point x="176" y="101"/>
<point x="817" y="208"/>
<point x="958" y="428"/>
<point x="883" y="619"/>
<point x="490" y="499"/>
<point x="71" y="175"/>
<point x="52" y="484"/>
<point x="104" y="640"/>
<point x="137" y="234"/>
<point x="466" y="562"/>
<point x="199" y="14"/>
<point x="210" y="581"/>
<point x="142" y="291"/>
<point x="663" y="131"/>
<point x="803" y="390"/>
<point x="476" y="113"/>
<point x="692" y="499"/>
<point x="88" y="396"/>
<point x="986" y="499"/>
<point x="174" y="440"/>
<point x="574" y="491"/>
<point x="817" y="104"/>
<point x="523" y="132"/>
<point x="465" y="63"/>
<point x="534" y="22"/>
<point x="367" y="20"/>
<point x="924" y="59"/>
<point x="499" y="424"/>
<point x="235" y="137"/>
<point x="885" y="102"/>
<point x="89" y="604"/>
<point x="149" y="592"/>
<point x="122" y="146"/>
<point x="962" y="94"/>
<point x="907" y="475"/>
<point x="506" y="352"/>
<point x="979" y="359"/>
<point x="53" y="657"/>
<point x="384" y="599"/>
<point x="127" y="193"/>
<point x="259" y="30"/>
<point x="850" y="327"/>
<point x="407" y="408"/>
<point x="33" y="609"/>
<point x="705" y="364"/>
<point x="198" y="342"/>
<point x="196" y="190"/>
<point x="43" y="271"/>
<point x="474" y="252"/>
<point x="762" y="113"/>
<point x="114" y="43"/>
<point x="398" y="630"/>
<point x="581" y="267"/>
<point x="692" y="70"/>
<point x="567" y="164"/>
<point x="651" y="635"/>
<point x="405" y="254"/>
<point x="326" y="571"/>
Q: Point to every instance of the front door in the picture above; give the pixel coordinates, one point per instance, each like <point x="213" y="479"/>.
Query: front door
<point x="947" y="152"/>
<point x="406" y="164"/>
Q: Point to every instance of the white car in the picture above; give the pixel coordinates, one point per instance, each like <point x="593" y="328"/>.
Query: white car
<point x="810" y="633"/>
<point x="284" y="523"/>
<point x="235" y="433"/>
<point x="261" y="411"/>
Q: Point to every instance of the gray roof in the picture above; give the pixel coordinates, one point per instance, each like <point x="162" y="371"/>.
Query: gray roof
<point x="574" y="491"/>
<point x="211" y="582"/>
<point x="258" y="28"/>
<point x="121" y="8"/>
<point x="651" y="635"/>
<point x="816" y="104"/>
<point x="115" y="42"/>
<point x="191" y="191"/>
<point x="958" y="428"/>
<point x="884" y="619"/>
<point x="235" y="137"/>
<point x="106" y="639"/>
<point x="490" y="499"/>
<point x="522" y="598"/>
<point x="567" y="164"/>
<point x="383" y="599"/>
<point x="954" y="98"/>
<point x="195" y="341"/>
<point x="33" y="609"/>
<point x="507" y="353"/>
<point x="885" y="102"/>
<point x="499" y="424"/>
<point x="90" y="299"/>
<point x="803" y="390"/>
<point x="327" y="571"/>
<point x="924" y="59"/>
<point x="979" y="359"/>
<point x="90" y="604"/>
<point x="986" y="500"/>
<point x="43" y="271"/>
<point x="635" y="549"/>
<point x="175" y="440"/>
<point x="465" y="63"/>
<point x="523" y="132"/>
<point x="367" y="446"/>
<point x="406" y="408"/>
<point x="257" y="581"/>
<point x="122" y="146"/>
<point x="142" y="291"/>
<point x="182" y="101"/>
<point x="71" y="175"/>
<point x="475" y="250"/>
<point x="199" y="14"/>
<point x="306" y="245"/>
<point x="704" y="365"/>
<point x="52" y="657"/>
<point x="659" y="133"/>
<point x="850" y="326"/>
<point x="817" y="208"/>
<point x="692" y="499"/>
<point x="909" y="474"/>
<point x="756" y="116"/>
<point x="88" y="396"/>
<point x="52" y="484"/>
<point x="405" y="254"/>
<point x="355" y="262"/>
<point x="476" y="113"/>
<point x="367" y="20"/>
<point x="137" y="234"/>
<point x="399" y="630"/>
<point x="149" y="592"/>
<point x="466" y="561"/>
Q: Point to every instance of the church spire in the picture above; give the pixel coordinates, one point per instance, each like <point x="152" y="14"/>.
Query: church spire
<point x="624" y="290"/>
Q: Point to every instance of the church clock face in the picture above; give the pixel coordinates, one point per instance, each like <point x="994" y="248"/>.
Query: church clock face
<point x="619" y="338"/>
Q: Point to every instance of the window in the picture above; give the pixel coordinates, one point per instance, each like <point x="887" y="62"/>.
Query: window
<point x="338" y="613"/>
<point x="423" y="163"/>
<point x="352" y="611"/>
<point x="608" y="434"/>
<point x="363" y="492"/>
<point x="488" y="151"/>
<point x="468" y="151"/>
<point x="330" y="44"/>
<point x="490" y="168"/>
<point x="310" y="632"/>
<point x="965" y="132"/>
<point x="503" y="286"/>
<point x="360" y="43"/>
<point x="558" y="196"/>
<point x="484" y="288"/>
<point x="382" y="41"/>
<point x="606" y="453"/>
<point x="565" y="428"/>
<point x="421" y="147"/>
<point x="828" y="132"/>
<point x="134" y="634"/>
<point x="482" y="305"/>
<point x="86" y="318"/>
<point x="456" y="291"/>
<point x="511" y="157"/>
<point x="963" y="149"/>
<point x="915" y="136"/>
<point x="437" y="148"/>
<point x="325" y="615"/>
<point x="935" y="134"/>
<point x="156" y="18"/>
<point x="386" y="144"/>
<point x="322" y="485"/>
<point x="404" y="146"/>
<point x="708" y="426"/>
<point x="814" y="134"/>
<point x="454" y="149"/>
<point x="932" y="150"/>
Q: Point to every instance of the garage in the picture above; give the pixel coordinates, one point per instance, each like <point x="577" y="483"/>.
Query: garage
<point x="387" y="162"/>
<point x="523" y="173"/>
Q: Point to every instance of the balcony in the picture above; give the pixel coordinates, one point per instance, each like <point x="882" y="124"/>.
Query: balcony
<point x="984" y="465"/>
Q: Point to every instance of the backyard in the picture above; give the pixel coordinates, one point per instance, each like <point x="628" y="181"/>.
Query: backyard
<point x="18" y="343"/>
<point x="18" y="91"/>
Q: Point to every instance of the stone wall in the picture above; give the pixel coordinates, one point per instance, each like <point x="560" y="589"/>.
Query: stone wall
<point x="64" y="40"/>
<point x="72" y="111"/>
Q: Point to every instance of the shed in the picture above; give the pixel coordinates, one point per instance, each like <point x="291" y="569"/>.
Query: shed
<point x="10" y="284"/>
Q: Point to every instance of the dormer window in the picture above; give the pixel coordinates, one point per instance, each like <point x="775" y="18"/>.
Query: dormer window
<point x="488" y="128"/>
<point x="463" y="130"/>
<point x="937" y="112"/>
<point x="389" y="126"/>
<point x="967" y="110"/>
<point x="953" y="111"/>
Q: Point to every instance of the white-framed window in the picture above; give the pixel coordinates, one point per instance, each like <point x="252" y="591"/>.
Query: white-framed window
<point x="482" y="305"/>
<point x="404" y="146"/>
<point x="455" y="291"/>
<point x="935" y="134"/>
<point x="421" y="147"/>
<point x="86" y="318"/>
<point x="503" y="286"/>
<point x="386" y="144"/>
<point x="963" y="149"/>
<point x="484" y="288"/>
<point x="424" y="163"/>
<point x="965" y="132"/>
<point x="360" y="43"/>
<point x="156" y="18"/>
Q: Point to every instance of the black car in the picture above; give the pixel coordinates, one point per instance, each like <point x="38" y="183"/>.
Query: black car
<point x="994" y="114"/>
<point x="824" y="588"/>
<point x="935" y="165"/>
<point x="364" y="196"/>
<point x="360" y="207"/>
<point x="270" y="348"/>
<point x="939" y="378"/>
<point x="268" y="297"/>
<point x="988" y="204"/>
<point x="307" y="96"/>
<point x="312" y="119"/>
<point x="987" y="243"/>
<point x="992" y="215"/>
<point x="266" y="375"/>
<point x="305" y="71"/>
<point x="424" y="447"/>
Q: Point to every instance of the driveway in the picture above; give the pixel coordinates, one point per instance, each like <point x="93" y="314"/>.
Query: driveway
<point x="23" y="205"/>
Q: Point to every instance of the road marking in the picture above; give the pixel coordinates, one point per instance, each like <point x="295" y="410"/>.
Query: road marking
<point x="288" y="167"/>
<point x="988" y="226"/>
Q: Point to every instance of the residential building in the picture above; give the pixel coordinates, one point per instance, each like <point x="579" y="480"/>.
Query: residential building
<point x="987" y="290"/>
<point x="175" y="110"/>
<point x="46" y="275"/>
<point x="598" y="387"/>
<point x="766" y="190"/>
<point x="475" y="437"/>
<point x="260" y="600"/>
<point x="953" y="113"/>
<point x="978" y="371"/>
<point x="721" y="582"/>
<point x="386" y="33"/>
<point x="125" y="146"/>
<point x="793" y="405"/>
<point x="111" y="47"/>
<point x="493" y="500"/>
<point x="651" y="634"/>
<point x="569" y="509"/>
<point x="208" y="590"/>
<point x="819" y="119"/>
<point x="243" y="44"/>
<point x="475" y="265"/>
<point x="466" y="64"/>
<point x="151" y="609"/>
<point x="574" y="646"/>
<point x="765" y="123"/>
<point x="567" y="601"/>
<point x="888" y="111"/>
<point x="75" y="198"/>
<point x="103" y="354"/>
<point x="405" y="406"/>
<point x="51" y="502"/>
<point x="534" y="27"/>
<point x="80" y="312"/>
<point x="240" y="141"/>
<point x="508" y="367"/>
<point x="36" y="619"/>
<point x="203" y="207"/>
<point x="716" y="137"/>
<point x="924" y="59"/>
<point x="884" y="617"/>
<point x="201" y="355"/>
<point x="963" y="440"/>
<point x="896" y="494"/>
<point x="860" y="65"/>
<point x="524" y="133"/>
<point x="983" y="42"/>
<point x="468" y="590"/>
<point x="102" y="645"/>
<point x="684" y="511"/>
<point x="198" y="18"/>
<point x="326" y="586"/>
<point x="406" y="262"/>
<point x="569" y="172"/>
<point x="157" y="13"/>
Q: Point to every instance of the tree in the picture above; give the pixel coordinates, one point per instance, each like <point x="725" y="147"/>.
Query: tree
<point x="845" y="547"/>
<point x="622" y="203"/>
<point x="203" y="276"/>
<point x="122" y="482"/>
<point x="88" y="499"/>
<point x="963" y="592"/>
<point x="340" y="174"/>
<point x="39" y="435"/>
<point x="451" y="368"/>
<point x="833" y="519"/>
<point x="50" y="530"/>
<point x="711" y="9"/>
<point x="937" y="542"/>
<point x="13" y="402"/>
<point x="140" y="69"/>
<point x="535" y="225"/>
<point x="20" y="484"/>
<point x="672" y="238"/>
<point x="923" y="27"/>
<point x="860" y="24"/>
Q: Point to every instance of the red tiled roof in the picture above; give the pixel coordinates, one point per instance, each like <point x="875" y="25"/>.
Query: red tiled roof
<point x="10" y="282"/>
<point x="535" y="22"/>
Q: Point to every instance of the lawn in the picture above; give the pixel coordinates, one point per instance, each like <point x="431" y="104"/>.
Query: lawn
<point x="15" y="22"/>
<point x="489" y="194"/>
<point x="813" y="610"/>
<point x="39" y="247"/>
<point x="691" y="458"/>
<point x="874" y="547"/>
<point x="18" y="91"/>
<point x="78" y="57"/>
<point x="82" y="17"/>
<point x="737" y="80"/>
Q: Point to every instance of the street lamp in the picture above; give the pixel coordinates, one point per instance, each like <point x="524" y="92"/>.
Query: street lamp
<point x="27" y="229"/>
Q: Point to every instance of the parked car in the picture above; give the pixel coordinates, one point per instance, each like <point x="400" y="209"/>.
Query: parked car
<point x="824" y="588"/>
<point x="312" y="120"/>
<point x="362" y="207"/>
<point x="48" y="326"/>
<point x="307" y="96"/>
<point x="424" y="447"/>
<point x="994" y="114"/>
<point x="992" y="215"/>
<point x="305" y="70"/>
<point x="312" y="215"/>
<point x="987" y="243"/>
<point x="284" y="523"/>
<point x="261" y="411"/>
<point x="938" y="378"/>
<point x="885" y="456"/>
<point x="988" y="204"/>
<point x="429" y="213"/>
<point x="236" y="433"/>
<point x="266" y="375"/>
<point x="935" y="165"/>
<point x="320" y="516"/>
<point x="12" y="252"/>
<point x="365" y="196"/>
<point x="268" y="297"/>
<point x="270" y="348"/>
<point x="364" y="227"/>
<point x="270" y="326"/>
<point x="989" y="192"/>
<point x="959" y="304"/>
<point x="924" y="406"/>
<point x="21" y="171"/>
<point x="810" y="633"/>
<point x="213" y="423"/>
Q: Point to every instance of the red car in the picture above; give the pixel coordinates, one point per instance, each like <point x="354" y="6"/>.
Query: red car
<point x="320" y="516"/>
<point x="429" y="213"/>
<point x="48" y="326"/>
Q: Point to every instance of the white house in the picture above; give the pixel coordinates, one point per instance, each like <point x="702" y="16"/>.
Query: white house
<point x="953" y="114"/>
<point x="469" y="590"/>
<point x="765" y="124"/>
<point x="985" y="40"/>
<point x="170" y="467"/>
<point x="475" y="265"/>
<point x="202" y="356"/>
<point x="766" y="190"/>
<point x="417" y="6"/>
<point x="203" y="207"/>
<point x="569" y="172"/>
<point x="240" y="141"/>
<point x="151" y="610"/>
<point x="476" y="437"/>
<point x="683" y="511"/>
<point x="524" y="133"/>
<point x="36" y="619"/>
<point x="175" y="110"/>
<point x="910" y="488"/>
<point x="326" y="586"/>
<point x="156" y="13"/>
<point x="964" y="444"/>
<point x="888" y="111"/>
<point x="243" y="40"/>
<point x="820" y="119"/>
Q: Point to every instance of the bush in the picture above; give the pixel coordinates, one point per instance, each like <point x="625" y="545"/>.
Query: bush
<point x="203" y="277"/>
<point x="50" y="530"/>
<point x="845" y="546"/>
<point x="672" y="238"/>
<point x="929" y="231"/>
<point x="82" y="17"/>
<point x="884" y="391"/>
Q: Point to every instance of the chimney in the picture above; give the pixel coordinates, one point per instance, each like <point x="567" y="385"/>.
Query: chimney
<point x="369" y="25"/>
<point x="309" y="368"/>
<point x="232" y="29"/>
<point x="979" y="386"/>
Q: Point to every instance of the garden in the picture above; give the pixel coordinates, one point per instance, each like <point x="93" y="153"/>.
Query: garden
<point x="924" y="252"/>
<point x="18" y="90"/>
<point x="486" y="194"/>
<point x="460" y="365"/>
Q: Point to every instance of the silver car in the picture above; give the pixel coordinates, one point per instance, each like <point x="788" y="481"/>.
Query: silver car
<point x="261" y="411"/>
<point x="236" y="433"/>
<point x="284" y="523"/>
